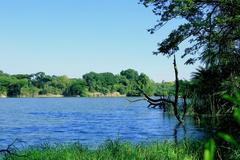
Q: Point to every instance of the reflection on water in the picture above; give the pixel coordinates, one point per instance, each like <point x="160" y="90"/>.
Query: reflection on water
<point x="90" y="121"/>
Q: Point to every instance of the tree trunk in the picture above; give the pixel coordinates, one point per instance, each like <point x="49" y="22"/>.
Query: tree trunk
<point x="162" y="100"/>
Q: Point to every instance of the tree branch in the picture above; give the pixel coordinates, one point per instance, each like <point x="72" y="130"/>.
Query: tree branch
<point x="11" y="150"/>
<point x="162" y="100"/>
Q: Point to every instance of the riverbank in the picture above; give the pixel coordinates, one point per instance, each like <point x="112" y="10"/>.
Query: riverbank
<point x="114" y="150"/>
<point x="184" y="150"/>
<point x="90" y="94"/>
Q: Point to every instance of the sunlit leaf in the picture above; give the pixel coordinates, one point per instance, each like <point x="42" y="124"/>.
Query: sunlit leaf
<point x="228" y="138"/>
<point x="236" y="115"/>
<point x="209" y="150"/>
<point x="235" y="99"/>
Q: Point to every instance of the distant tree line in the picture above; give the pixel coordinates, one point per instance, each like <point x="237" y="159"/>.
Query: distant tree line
<point x="129" y="82"/>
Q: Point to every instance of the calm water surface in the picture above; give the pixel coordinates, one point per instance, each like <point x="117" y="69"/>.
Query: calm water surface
<point x="89" y="121"/>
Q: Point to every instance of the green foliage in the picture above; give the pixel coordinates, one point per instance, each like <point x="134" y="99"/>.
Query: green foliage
<point x="236" y="108"/>
<point x="207" y="88"/>
<point x="115" y="150"/>
<point x="211" y="27"/>
<point x="185" y="88"/>
<point x="212" y="30"/>
<point x="145" y="84"/>
<point x="236" y="115"/>
<point x="60" y="82"/>
<point x="235" y="99"/>
<point x="228" y="138"/>
<point x="91" y="80"/>
<point x="130" y="74"/>
<point x="129" y="83"/>
<point x="100" y="82"/>
<point x="165" y="88"/>
<point x="40" y="79"/>
<point x="210" y="146"/>
<point x="209" y="150"/>
<point x="29" y="91"/>
<point x="77" y="88"/>
<point x="14" y="88"/>
<point x="4" y="83"/>
<point x="50" y="90"/>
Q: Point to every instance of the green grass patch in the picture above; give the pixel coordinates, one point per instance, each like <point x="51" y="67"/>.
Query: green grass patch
<point x="118" y="150"/>
<point x="113" y="150"/>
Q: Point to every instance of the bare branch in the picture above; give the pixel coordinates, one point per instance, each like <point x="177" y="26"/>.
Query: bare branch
<point x="149" y="99"/>
<point x="11" y="150"/>
<point x="153" y="103"/>
<point x="136" y="100"/>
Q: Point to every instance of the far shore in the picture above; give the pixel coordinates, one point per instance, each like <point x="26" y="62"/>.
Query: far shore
<point x="62" y="96"/>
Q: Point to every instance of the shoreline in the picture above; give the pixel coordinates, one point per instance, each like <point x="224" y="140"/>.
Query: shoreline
<point x="61" y="96"/>
<point x="119" y="150"/>
<point x="89" y="94"/>
<point x="112" y="149"/>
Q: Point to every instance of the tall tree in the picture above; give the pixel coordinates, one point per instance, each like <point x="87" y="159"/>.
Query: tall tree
<point x="211" y="26"/>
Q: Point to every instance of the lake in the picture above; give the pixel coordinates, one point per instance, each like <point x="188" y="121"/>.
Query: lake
<point x="89" y="121"/>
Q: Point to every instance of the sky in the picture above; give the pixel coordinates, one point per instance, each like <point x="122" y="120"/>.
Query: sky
<point x="73" y="37"/>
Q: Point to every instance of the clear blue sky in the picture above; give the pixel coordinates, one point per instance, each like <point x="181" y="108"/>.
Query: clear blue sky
<point x="73" y="37"/>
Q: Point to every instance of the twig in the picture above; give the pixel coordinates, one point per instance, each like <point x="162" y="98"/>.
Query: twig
<point x="136" y="100"/>
<point x="11" y="149"/>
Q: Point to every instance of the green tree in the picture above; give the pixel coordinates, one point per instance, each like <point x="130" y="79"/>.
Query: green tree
<point x="40" y="79"/>
<point x="14" y="88"/>
<point x="77" y="88"/>
<point x="60" y="83"/>
<point x="130" y="74"/>
<point x="91" y="80"/>
<point x="121" y="85"/>
<point x="27" y="91"/>
<point x="165" y="88"/>
<point x="212" y="29"/>
<point x="106" y="82"/>
<point x="41" y="84"/>
<point x="145" y="84"/>
<point x="5" y="81"/>
<point x="132" y="85"/>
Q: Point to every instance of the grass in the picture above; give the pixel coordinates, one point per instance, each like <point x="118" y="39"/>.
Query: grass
<point x="114" y="150"/>
<point x="117" y="150"/>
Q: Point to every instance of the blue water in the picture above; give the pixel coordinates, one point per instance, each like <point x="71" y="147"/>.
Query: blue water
<point x="89" y="121"/>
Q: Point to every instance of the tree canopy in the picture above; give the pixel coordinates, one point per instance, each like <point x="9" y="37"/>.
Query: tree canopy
<point x="211" y="26"/>
<point x="129" y="82"/>
<point x="212" y="29"/>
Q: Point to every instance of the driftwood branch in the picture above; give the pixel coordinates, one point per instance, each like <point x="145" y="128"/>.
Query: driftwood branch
<point x="11" y="150"/>
<point x="136" y="100"/>
<point x="163" y="100"/>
